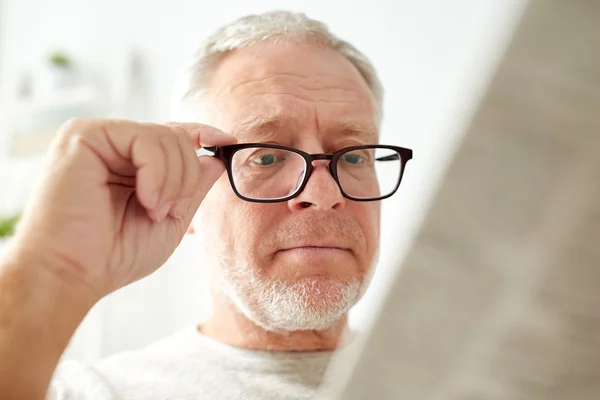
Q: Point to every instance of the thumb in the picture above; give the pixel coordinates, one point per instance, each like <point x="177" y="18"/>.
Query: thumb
<point x="211" y="169"/>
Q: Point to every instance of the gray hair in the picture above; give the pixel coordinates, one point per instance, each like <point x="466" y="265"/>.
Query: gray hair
<point x="272" y="26"/>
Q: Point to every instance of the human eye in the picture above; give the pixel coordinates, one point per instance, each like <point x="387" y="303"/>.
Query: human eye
<point x="361" y="157"/>
<point x="265" y="159"/>
<point x="353" y="158"/>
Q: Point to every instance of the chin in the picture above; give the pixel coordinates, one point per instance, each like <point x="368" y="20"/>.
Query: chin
<point x="313" y="302"/>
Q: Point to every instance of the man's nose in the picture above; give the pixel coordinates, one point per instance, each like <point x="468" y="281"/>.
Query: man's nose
<point x="321" y="191"/>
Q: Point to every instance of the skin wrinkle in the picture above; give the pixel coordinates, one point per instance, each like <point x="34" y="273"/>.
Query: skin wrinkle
<point x="266" y="298"/>
<point x="275" y="120"/>
<point x="302" y="81"/>
<point x="266" y="128"/>
<point x="306" y="98"/>
<point x="270" y="135"/>
<point x="241" y="80"/>
<point x="316" y="112"/>
<point x="302" y="85"/>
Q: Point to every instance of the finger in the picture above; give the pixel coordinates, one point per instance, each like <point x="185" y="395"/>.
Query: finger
<point x="147" y="156"/>
<point x="205" y="135"/>
<point x="190" y="177"/>
<point x="169" y="143"/>
<point x="210" y="170"/>
<point x="122" y="143"/>
<point x="126" y="148"/>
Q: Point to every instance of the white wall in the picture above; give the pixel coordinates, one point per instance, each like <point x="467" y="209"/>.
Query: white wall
<point x="432" y="55"/>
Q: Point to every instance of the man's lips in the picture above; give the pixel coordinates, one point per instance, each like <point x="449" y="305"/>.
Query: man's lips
<point x="315" y="248"/>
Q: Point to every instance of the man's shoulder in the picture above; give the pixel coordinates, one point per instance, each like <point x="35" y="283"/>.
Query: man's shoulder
<point x="170" y="349"/>
<point x="76" y="380"/>
<point x="128" y="369"/>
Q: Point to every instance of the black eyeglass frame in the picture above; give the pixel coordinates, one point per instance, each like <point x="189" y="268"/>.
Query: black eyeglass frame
<point x="225" y="153"/>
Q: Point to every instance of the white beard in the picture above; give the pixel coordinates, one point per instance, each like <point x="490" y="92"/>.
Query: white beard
<point x="311" y="303"/>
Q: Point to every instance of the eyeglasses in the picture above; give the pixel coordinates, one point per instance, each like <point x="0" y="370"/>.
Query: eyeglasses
<point x="269" y="173"/>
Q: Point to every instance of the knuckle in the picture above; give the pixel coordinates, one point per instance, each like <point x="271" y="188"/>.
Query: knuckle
<point x="181" y="133"/>
<point x="170" y="145"/>
<point x="147" y="139"/>
<point x="73" y="134"/>
<point x="179" y="138"/>
<point x="74" y="126"/>
<point x="81" y="128"/>
<point x="178" y="133"/>
<point x="165" y="137"/>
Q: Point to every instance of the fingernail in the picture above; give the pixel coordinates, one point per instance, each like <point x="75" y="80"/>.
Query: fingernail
<point x="181" y="207"/>
<point x="164" y="210"/>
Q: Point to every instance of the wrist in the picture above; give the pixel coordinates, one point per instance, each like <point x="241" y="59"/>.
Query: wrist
<point x="39" y="313"/>
<point x="43" y="289"/>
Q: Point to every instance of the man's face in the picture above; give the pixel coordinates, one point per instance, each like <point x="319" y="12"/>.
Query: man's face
<point x="303" y="263"/>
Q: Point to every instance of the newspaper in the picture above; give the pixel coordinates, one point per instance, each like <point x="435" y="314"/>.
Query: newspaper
<point x="499" y="297"/>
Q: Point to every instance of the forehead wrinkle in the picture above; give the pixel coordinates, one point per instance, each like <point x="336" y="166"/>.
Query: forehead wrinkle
<point x="267" y="127"/>
<point x="280" y="82"/>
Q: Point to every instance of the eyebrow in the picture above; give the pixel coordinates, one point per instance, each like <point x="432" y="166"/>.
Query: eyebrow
<point x="357" y="129"/>
<point x="265" y="127"/>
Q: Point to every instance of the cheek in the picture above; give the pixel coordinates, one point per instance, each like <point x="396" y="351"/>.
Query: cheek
<point x="211" y="220"/>
<point x="249" y="224"/>
<point x="368" y="216"/>
<point x="376" y="217"/>
<point x="220" y="191"/>
<point x="235" y="225"/>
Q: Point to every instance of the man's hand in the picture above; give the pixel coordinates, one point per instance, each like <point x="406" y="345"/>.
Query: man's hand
<point x="116" y="199"/>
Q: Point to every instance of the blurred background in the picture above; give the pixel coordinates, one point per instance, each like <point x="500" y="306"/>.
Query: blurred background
<point x="110" y="58"/>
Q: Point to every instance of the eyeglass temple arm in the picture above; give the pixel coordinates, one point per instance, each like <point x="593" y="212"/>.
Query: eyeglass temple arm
<point x="213" y="151"/>
<point x="392" y="157"/>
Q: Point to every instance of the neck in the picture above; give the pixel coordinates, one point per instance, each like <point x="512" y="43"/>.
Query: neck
<point x="228" y="325"/>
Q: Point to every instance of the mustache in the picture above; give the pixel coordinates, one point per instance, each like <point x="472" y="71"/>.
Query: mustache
<point x="316" y="227"/>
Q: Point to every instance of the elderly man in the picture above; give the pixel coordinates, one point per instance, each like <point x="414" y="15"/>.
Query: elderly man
<point x="292" y="228"/>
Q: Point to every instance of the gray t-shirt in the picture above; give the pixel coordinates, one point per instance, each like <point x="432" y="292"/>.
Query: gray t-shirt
<point x="189" y="365"/>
